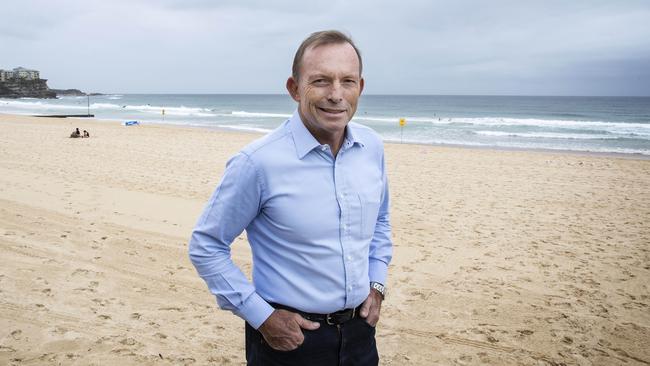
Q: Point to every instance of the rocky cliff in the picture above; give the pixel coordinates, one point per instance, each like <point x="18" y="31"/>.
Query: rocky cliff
<point x="21" y="88"/>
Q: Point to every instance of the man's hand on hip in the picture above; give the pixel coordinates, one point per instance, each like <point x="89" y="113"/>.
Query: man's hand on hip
<point x="371" y="307"/>
<point x="282" y="330"/>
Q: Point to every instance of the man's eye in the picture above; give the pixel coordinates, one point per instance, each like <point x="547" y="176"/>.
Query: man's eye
<point x="350" y="81"/>
<point x="319" y="81"/>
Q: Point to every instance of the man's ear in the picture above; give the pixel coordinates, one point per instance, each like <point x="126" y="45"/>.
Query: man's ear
<point x="292" y="88"/>
<point x="361" y="84"/>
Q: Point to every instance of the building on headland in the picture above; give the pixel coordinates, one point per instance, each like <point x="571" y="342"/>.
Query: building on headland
<point x="19" y="73"/>
<point x="24" y="83"/>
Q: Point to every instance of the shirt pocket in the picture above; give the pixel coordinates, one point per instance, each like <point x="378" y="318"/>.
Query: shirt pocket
<point x="369" y="213"/>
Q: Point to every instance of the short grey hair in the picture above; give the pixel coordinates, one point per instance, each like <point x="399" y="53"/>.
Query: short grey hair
<point x="317" y="39"/>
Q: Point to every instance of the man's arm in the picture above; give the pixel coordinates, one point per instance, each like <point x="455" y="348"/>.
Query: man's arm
<point x="234" y="204"/>
<point x="381" y="252"/>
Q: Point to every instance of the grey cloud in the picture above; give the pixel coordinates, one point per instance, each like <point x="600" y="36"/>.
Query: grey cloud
<point x="435" y="47"/>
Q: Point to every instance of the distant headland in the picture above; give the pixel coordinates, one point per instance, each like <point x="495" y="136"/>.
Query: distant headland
<point x="26" y="83"/>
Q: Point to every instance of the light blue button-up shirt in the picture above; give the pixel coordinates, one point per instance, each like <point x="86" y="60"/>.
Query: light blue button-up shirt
<point x="318" y="225"/>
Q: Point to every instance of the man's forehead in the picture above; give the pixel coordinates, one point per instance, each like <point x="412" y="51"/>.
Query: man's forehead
<point x="331" y="55"/>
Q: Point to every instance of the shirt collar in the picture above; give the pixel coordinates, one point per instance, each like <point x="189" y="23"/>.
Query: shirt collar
<point x="306" y="142"/>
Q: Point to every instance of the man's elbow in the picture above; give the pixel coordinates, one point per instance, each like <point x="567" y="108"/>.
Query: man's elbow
<point x="197" y="250"/>
<point x="207" y="254"/>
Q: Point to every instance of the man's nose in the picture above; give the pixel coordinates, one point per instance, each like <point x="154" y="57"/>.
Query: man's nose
<point x="336" y="93"/>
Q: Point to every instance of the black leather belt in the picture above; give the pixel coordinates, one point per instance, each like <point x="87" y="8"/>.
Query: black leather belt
<point x="336" y="318"/>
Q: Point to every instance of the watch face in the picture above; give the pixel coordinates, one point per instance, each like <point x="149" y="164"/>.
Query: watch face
<point x="379" y="287"/>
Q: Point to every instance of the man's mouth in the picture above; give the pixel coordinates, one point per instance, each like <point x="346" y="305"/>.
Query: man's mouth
<point x="332" y="110"/>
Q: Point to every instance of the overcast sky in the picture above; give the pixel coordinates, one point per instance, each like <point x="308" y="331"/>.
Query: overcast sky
<point x="501" y="47"/>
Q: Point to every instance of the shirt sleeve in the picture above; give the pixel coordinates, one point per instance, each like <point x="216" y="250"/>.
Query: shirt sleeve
<point x="233" y="205"/>
<point x="381" y="246"/>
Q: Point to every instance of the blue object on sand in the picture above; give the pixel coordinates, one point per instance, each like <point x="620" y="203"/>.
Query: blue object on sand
<point x="131" y="123"/>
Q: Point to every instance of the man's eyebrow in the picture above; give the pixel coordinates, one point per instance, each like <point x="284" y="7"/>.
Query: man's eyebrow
<point x="325" y="76"/>
<point x="317" y="76"/>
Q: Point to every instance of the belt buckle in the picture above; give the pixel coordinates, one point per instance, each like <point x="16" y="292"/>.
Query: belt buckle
<point x="328" y="319"/>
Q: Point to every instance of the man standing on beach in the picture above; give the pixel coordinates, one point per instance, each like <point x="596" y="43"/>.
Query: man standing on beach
<point x="313" y="198"/>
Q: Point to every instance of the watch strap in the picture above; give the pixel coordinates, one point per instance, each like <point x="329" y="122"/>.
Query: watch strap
<point x="380" y="288"/>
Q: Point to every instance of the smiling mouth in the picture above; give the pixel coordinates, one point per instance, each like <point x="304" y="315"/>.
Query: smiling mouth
<point x="332" y="111"/>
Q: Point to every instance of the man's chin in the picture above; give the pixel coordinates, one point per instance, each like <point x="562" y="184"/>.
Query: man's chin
<point x="339" y="118"/>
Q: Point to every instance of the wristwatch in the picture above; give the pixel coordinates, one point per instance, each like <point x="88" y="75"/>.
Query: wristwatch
<point x="380" y="288"/>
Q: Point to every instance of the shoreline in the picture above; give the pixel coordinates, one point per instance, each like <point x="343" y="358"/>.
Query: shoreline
<point x="632" y="156"/>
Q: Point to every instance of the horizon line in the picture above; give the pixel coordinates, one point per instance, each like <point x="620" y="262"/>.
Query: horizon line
<point x="400" y="95"/>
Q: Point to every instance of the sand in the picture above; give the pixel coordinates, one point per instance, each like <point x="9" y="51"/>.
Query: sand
<point x="501" y="257"/>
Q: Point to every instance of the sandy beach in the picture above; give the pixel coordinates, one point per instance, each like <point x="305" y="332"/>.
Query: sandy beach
<point x="500" y="258"/>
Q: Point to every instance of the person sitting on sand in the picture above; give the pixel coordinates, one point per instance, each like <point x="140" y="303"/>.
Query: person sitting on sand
<point x="75" y="134"/>
<point x="86" y="134"/>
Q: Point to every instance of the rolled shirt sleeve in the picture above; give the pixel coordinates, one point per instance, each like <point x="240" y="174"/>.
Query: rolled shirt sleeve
<point x="232" y="207"/>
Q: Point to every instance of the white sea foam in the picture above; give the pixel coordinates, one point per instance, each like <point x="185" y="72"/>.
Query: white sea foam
<point x="75" y="97"/>
<point x="258" y="114"/>
<point x="105" y="106"/>
<point x="499" y="121"/>
<point x="245" y="128"/>
<point x="524" y="146"/>
<point x="533" y="122"/>
<point x="623" y="129"/>
<point x="551" y="135"/>
<point x="38" y="106"/>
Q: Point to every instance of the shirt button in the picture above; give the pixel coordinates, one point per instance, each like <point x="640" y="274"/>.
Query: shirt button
<point x="349" y="257"/>
<point x="349" y="288"/>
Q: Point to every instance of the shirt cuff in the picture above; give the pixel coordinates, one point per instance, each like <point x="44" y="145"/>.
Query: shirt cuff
<point x="255" y="310"/>
<point x="377" y="271"/>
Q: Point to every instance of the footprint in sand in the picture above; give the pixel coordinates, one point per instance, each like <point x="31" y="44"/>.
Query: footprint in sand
<point x="100" y="302"/>
<point x="59" y="330"/>
<point x="525" y="332"/>
<point x="80" y="272"/>
<point x="464" y="360"/>
<point x="129" y="342"/>
<point x="10" y="350"/>
<point x="16" y="334"/>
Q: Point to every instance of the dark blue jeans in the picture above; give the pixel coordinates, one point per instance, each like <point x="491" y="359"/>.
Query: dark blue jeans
<point x="351" y="343"/>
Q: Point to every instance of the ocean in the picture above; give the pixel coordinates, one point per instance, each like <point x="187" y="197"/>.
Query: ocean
<point x="587" y="124"/>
